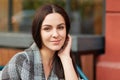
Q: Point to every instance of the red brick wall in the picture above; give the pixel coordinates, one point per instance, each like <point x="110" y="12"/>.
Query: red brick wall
<point x="108" y="65"/>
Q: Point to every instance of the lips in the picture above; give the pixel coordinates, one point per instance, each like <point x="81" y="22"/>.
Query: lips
<point x="56" y="42"/>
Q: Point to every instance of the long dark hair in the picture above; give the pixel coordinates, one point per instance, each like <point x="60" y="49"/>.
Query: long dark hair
<point x="40" y="15"/>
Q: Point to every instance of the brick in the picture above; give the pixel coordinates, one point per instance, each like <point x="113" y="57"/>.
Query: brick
<point x="113" y="5"/>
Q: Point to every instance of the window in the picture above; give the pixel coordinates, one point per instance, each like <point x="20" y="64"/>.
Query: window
<point x="17" y="15"/>
<point x="87" y="22"/>
<point x="87" y="16"/>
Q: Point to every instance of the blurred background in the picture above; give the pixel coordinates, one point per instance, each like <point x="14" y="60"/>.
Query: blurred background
<point x="86" y="15"/>
<point x="87" y="29"/>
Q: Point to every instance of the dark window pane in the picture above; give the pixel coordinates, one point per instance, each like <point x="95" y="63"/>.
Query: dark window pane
<point x="87" y="16"/>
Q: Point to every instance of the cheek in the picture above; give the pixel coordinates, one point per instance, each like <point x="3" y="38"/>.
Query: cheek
<point x="46" y="37"/>
<point x="63" y="33"/>
<point x="43" y="36"/>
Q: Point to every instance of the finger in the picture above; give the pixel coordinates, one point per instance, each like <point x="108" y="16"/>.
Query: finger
<point x="69" y="40"/>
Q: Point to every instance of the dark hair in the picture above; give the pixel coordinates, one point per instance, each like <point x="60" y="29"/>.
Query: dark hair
<point x="40" y="15"/>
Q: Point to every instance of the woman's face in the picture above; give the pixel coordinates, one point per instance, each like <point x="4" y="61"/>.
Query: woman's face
<point x="53" y="32"/>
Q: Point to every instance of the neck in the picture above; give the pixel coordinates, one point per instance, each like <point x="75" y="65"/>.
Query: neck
<point x="47" y="56"/>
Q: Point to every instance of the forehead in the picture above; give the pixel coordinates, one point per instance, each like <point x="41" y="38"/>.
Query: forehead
<point x="53" y="18"/>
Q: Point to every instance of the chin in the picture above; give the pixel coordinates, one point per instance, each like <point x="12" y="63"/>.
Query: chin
<point x="56" y="48"/>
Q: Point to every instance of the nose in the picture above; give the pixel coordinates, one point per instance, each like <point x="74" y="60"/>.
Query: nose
<point x="55" y="33"/>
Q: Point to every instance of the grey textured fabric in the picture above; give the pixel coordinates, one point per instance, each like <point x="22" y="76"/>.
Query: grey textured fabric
<point x="27" y="65"/>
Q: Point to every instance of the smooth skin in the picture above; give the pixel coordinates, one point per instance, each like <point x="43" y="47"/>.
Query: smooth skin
<point x="53" y="34"/>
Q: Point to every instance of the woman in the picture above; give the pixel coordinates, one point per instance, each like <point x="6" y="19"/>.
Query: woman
<point x="49" y="57"/>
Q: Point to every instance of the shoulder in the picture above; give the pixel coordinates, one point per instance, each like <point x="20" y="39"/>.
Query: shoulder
<point x="13" y="66"/>
<point x="18" y="61"/>
<point x="21" y="57"/>
<point x="25" y="56"/>
<point x="18" y="64"/>
<point x="18" y="57"/>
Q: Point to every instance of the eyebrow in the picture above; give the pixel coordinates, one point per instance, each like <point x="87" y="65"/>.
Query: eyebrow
<point x="61" y="24"/>
<point x="50" y="25"/>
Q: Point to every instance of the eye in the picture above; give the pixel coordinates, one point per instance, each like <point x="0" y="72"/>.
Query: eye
<point x="47" y="28"/>
<point x="60" y="27"/>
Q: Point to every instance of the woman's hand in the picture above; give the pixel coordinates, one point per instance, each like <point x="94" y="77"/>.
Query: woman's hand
<point x="65" y="51"/>
<point x="66" y="60"/>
